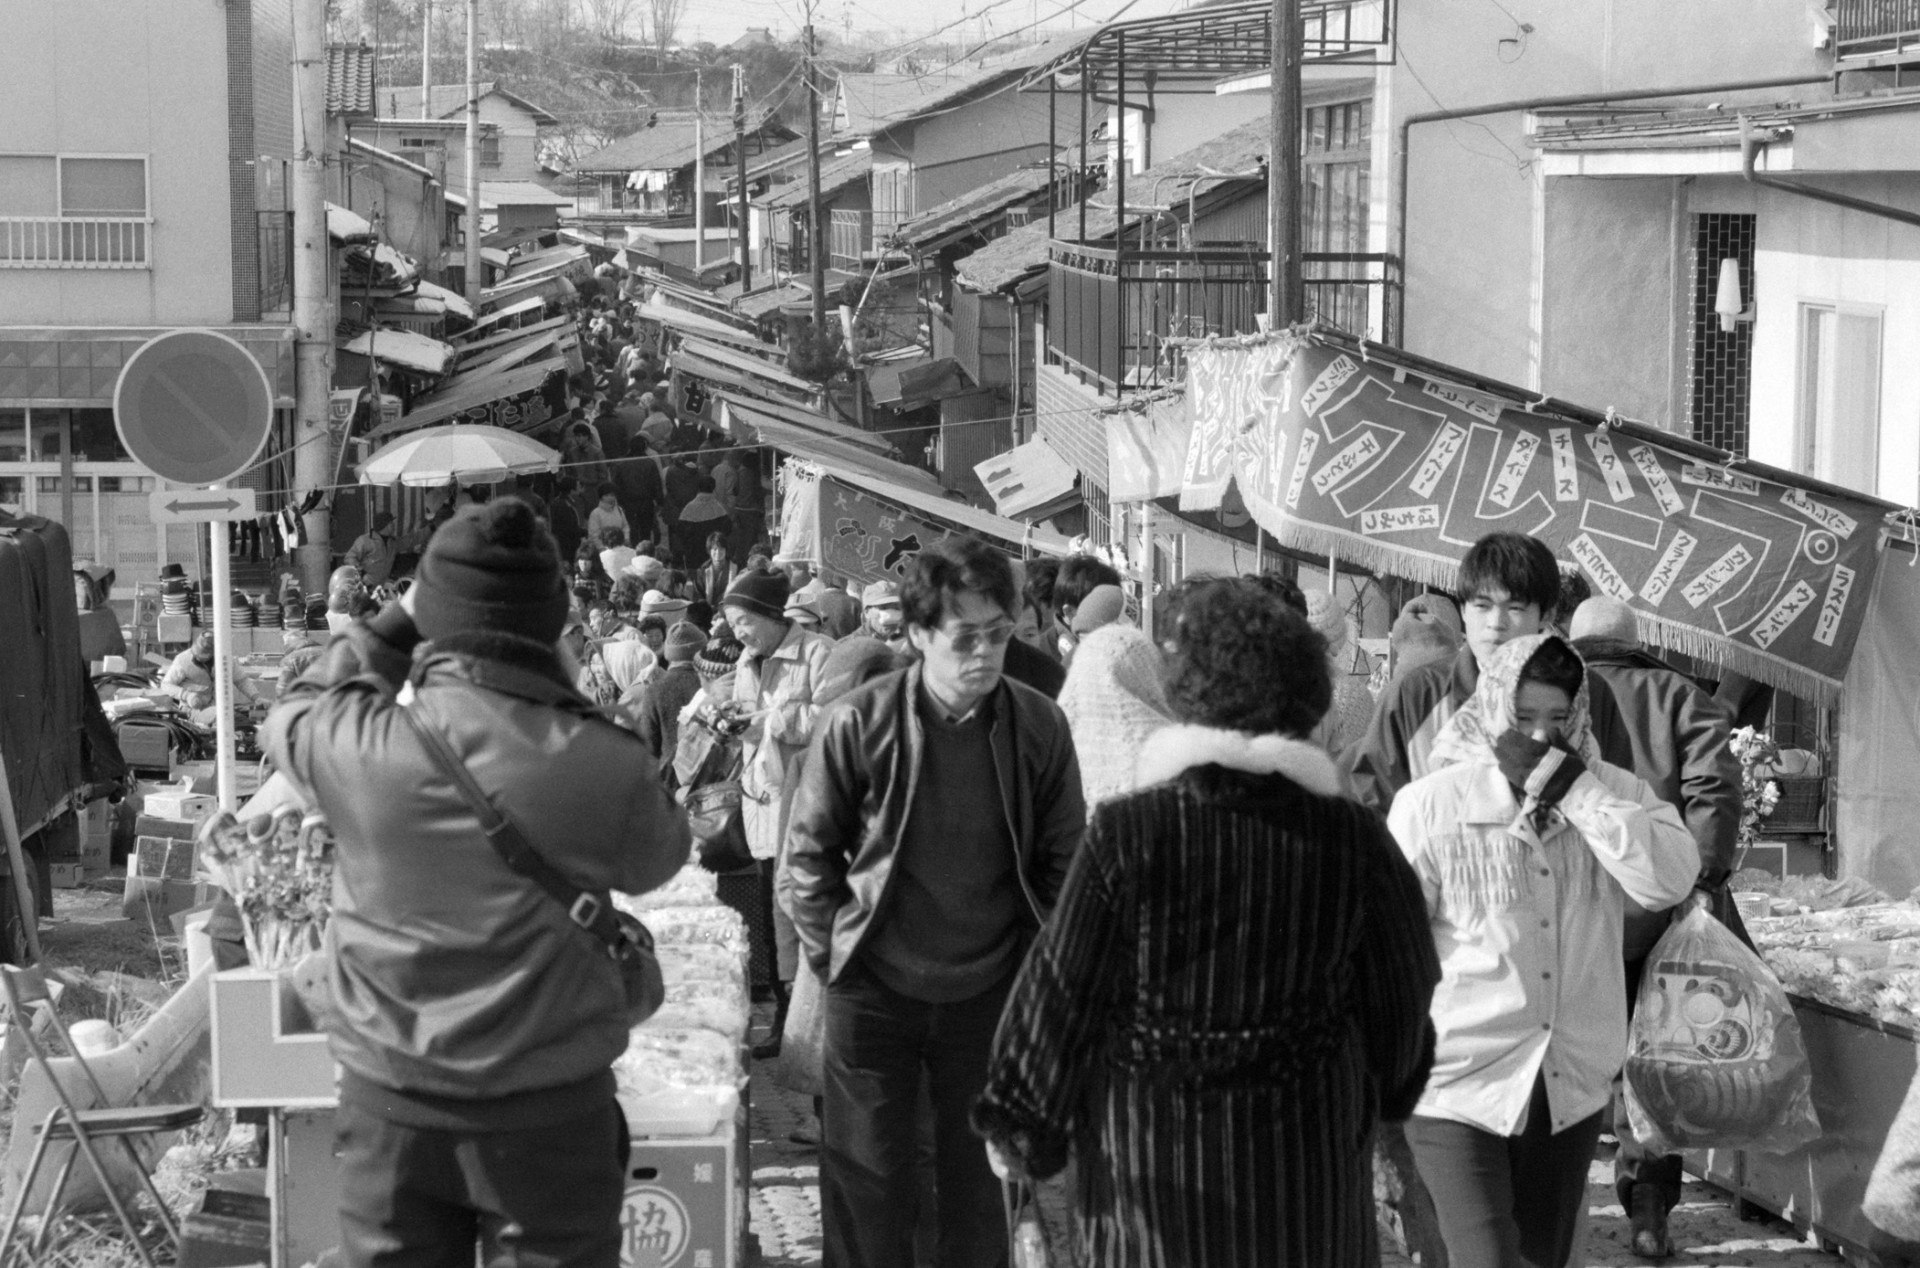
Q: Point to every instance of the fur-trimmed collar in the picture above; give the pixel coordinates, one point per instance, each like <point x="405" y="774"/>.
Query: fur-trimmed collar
<point x="1174" y="749"/>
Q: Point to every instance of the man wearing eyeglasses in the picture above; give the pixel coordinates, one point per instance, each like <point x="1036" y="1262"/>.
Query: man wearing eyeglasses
<point x="938" y="809"/>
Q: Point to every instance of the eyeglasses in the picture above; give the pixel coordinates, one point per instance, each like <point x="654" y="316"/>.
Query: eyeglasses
<point x="969" y="640"/>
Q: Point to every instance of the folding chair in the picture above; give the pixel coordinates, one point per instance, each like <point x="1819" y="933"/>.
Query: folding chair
<point x="68" y="1122"/>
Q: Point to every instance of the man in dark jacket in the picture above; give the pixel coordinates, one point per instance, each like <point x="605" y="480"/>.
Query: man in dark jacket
<point x="916" y="909"/>
<point x="1658" y="723"/>
<point x="656" y="714"/>
<point x="474" y="1022"/>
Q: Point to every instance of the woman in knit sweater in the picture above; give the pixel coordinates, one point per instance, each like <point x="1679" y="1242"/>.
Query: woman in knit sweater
<point x="1234" y="984"/>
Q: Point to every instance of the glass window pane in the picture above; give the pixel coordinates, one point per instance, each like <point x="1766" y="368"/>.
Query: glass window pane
<point x="27" y="186"/>
<point x="46" y="426"/>
<point x="95" y="439"/>
<point x="13" y="492"/>
<point x="1855" y="441"/>
<point x="13" y="435"/>
<point x="103" y="187"/>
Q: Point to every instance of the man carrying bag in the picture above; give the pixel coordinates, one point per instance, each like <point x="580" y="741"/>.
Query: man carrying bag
<point x="478" y="1005"/>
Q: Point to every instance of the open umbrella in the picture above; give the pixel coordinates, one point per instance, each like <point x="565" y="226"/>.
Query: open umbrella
<point x="467" y="452"/>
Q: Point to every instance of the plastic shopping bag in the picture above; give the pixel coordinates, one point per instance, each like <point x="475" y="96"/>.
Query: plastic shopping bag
<point x="1714" y="1056"/>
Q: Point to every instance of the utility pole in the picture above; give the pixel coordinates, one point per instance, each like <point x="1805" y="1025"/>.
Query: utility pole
<point x="1285" y="295"/>
<point x="699" y="182"/>
<point x="816" y="218"/>
<point x="426" y="58"/>
<point x="473" y="152"/>
<point x="740" y="162"/>
<point x="312" y="297"/>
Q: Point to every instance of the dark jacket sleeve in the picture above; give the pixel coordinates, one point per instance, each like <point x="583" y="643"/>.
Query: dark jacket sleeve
<point x="823" y="832"/>
<point x="1059" y="814"/>
<point x="1379" y="766"/>
<point x="1396" y="973"/>
<point x="1057" y="1012"/>
<point x="1709" y="779"/>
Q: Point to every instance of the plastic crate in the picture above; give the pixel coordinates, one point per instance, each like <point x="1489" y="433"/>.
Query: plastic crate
<point x="1801" y="799"/>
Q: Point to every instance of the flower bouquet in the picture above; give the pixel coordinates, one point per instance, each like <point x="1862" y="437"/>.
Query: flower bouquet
<point x="1759" y="794"/>
<point x="279" y="870"/>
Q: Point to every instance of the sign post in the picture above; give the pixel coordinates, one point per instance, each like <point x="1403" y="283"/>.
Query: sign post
<point x="194" y="407"/>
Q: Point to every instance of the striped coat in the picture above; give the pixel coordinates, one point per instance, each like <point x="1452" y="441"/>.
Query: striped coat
<point x="1233" y="987"/>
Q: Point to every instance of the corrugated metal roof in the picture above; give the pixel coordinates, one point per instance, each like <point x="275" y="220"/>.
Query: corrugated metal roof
<point x="759" y="303"/>
<point x="837" y="172"/>
<point x="1717" y="124"/>
<point x="875" y="102"/>
<point x="349" y="79"/>
<point x="957" y="214"/>
<point x="670" y="144"/>
<point x="1005" y="261"/>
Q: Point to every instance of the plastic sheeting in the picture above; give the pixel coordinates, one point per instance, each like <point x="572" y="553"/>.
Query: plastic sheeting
<point x="41" y="675"/>
<point x="1877" y="811"/>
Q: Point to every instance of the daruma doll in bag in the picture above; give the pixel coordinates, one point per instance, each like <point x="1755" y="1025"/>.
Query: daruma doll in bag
<point x="1714" y="1056"/>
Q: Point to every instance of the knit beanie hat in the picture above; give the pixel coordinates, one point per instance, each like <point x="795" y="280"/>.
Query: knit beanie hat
<point x="762" y="593"/>
<point x="684" y="641"/>
<point x="1329" y="619"/>
<point x="491" y="567"/>
<point x="718" y="657"/>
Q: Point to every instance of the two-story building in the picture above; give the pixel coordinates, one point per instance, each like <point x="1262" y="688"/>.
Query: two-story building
<point x="512" y="130"/>
<point x="144" y="157"/>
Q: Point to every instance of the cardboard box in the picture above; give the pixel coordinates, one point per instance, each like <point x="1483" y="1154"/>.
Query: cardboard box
<point x="229" y="1230"/>
<point x="163" y="858"/>
<point x="66" y="875"/>
<point x="685" y="1205"/>
<point x="181" y="804"/>
<point x="96" y="837"/>
<point x="155" y="826"/>
<point x="149" y="902"/>
<point x="147" y="746"/>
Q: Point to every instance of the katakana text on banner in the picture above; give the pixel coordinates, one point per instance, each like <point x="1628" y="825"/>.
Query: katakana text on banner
<point x="1402" y="474"/>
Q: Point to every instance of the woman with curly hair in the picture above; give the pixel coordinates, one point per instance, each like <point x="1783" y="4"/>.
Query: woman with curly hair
<point x="1235" y="983"/>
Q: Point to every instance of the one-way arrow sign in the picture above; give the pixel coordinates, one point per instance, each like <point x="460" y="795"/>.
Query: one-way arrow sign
<point x="200" y="506"/>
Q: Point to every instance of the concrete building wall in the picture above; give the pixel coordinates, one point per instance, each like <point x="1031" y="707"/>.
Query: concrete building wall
<point x="1477" y="208"/>
<point x="1613" y="269"/>
<point x="132" y="78"/>
<point x="1811" y="253"/>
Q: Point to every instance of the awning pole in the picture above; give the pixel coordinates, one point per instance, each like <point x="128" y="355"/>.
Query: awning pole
<point x="1146" y="584"/>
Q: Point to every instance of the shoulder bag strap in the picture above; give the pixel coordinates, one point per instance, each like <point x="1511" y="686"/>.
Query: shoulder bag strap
<point x="592" y="912"/>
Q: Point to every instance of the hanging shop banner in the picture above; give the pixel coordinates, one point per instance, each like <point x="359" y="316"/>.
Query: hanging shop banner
<point x="1146" y="450"/>
<point x="851" y="533"/>
<point x="1402" y="474"/>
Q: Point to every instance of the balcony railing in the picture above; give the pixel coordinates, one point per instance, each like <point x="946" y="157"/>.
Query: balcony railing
<point x="1114" y="317"/>
<point x="73" y="242"/>
<point x="276" y="260"/>
<point x="1871" y="28"/>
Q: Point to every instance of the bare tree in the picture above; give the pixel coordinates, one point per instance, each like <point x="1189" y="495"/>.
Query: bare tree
<point x="662" y="24"/>
<point x="608" y="18"/>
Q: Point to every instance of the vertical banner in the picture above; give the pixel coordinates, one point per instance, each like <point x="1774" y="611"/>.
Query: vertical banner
<point x="1402" y="474"/>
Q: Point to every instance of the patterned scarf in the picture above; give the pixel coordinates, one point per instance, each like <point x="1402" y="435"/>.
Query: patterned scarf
<point x="1468" y="736"/>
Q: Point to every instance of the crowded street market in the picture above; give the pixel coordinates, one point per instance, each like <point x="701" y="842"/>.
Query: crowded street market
<point x="1235" y="634"/>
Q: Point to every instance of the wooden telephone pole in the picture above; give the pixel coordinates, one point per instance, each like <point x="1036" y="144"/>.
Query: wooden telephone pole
<point x="1286" y="298"/>
<point x="816" y="226"/>
<point x="740" y="161"/>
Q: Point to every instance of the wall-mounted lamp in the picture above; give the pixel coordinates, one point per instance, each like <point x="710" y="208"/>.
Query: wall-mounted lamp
<point x="1727" y="300"/>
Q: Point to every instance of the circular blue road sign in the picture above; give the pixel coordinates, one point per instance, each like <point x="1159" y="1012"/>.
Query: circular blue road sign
<point x="193" y="407"/>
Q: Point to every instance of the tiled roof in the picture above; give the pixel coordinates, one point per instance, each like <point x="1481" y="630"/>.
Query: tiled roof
<point x="954" y="215"/>
<point x="665" y="147"/>
<point x="349" y="79"/>
<point x="875" y="102"/>
<point x="837" y="171"/>
<point x="451" y="99"/>
<point x="1005" y="261"/>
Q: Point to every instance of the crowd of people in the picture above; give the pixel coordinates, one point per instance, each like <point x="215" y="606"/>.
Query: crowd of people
<point x="1187" y="913"/>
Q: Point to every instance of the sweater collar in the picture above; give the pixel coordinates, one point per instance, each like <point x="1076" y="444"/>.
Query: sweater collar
<point x="1173" y="750"/>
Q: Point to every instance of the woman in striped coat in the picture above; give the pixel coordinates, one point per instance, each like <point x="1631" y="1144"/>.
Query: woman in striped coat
<point x="1235" y="982"/>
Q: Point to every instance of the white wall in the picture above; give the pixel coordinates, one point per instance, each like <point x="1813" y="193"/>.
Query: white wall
<point x="133" y="77"/>
<point x="1809" y="252"/>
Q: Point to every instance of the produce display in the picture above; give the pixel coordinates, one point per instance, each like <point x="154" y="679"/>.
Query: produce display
<point x="279" y="870"/>
<point x="1863" y="958"/>
<point x="685" y="1063"/>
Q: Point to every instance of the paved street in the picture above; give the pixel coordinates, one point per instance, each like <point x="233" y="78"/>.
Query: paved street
<point x="785" y="1208"/>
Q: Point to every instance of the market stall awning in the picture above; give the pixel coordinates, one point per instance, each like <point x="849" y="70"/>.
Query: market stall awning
<point x="774" y="424"/>
<point x="468" y="347"/>
<point x="489" y="321"/>
<point x="494" y="399"/>
<point x="455" y="302"/>
<point x="758" y="304"/>
<point x="1027" y="478"/>
<point x="748" y="363"/>
<point x="541" y="346"/>
<point x="1399" y="464"/>
<point x="697" y="324"/>
<point x="404" y="348"/>
<point x="344" y="225"/>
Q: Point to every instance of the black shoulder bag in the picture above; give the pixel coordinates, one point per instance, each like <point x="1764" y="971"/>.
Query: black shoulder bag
<point x="627" y="941"/>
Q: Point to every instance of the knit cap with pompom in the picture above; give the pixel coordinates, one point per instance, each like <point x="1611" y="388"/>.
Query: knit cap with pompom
<point x="491" y="567"/>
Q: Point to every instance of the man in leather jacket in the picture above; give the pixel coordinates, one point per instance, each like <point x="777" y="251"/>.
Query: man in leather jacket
<point x="937" y="812"/>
